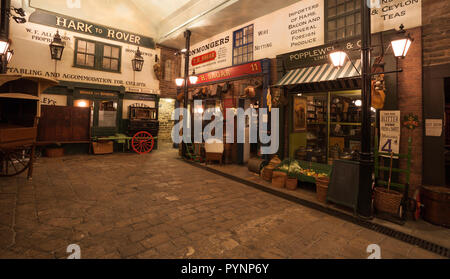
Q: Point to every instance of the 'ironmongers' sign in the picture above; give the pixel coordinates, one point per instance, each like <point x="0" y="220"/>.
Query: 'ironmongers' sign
<point x="84" y="27"/>
<point x="233" y="72"/>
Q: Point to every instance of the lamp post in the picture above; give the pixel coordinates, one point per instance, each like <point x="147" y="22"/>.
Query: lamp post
<point x="185" y="81"/>
<point x="366" y="156"/>
<point x="400" y="47"/>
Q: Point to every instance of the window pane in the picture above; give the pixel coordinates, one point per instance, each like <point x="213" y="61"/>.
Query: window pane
<point x="350" y="6"/>
<point x="341" y="22"/>
<point x="106" y="63"/>
<point x="107" y="51"/>
<point x="114" y="64"/>
<point x="358" y="17"/>
<point x="332" y="12"/>
<point x="331" y="3"/>
<point x="340" y="1"/>
<point x="332" y="36"/>
<point x="350" y="31"/>
<point x="90" y="60"/>
<point x="90" y="48"/>
<point x="350" y="20"/>
<point x="115" y="52"/>
<point x="81" y="46"/>
<point x="107" y="114"/>
<point x="358" y="29"/>
<point x="341" y="33"/>
<point x="331" y="25"/>
<point x="341" y="9"/>
<point x="250" y="39"/>
<point x="81" y="59"/>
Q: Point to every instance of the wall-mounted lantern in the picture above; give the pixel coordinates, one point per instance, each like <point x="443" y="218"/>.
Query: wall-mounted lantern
<point x="56" y="47"/>
<point x="138" y="61"/>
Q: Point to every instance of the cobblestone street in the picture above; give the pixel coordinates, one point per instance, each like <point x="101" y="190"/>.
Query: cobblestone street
<point x="124" y="206"/>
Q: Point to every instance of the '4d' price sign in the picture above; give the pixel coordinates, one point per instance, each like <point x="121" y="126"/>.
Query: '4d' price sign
<point x="390" y="124"/>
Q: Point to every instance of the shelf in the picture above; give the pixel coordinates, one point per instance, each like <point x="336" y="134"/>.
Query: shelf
<point x="345" y="123"/>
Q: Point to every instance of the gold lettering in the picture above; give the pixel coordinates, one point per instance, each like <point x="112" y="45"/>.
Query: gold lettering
<point x="80" y="26"/>
<point x="138" y="40"/>
<point x="72" y="25"/>
<point x="111" y="33"/>
<point x="60" y="20"/>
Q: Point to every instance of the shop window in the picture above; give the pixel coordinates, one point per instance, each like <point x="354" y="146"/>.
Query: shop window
<point x="168" y="71"/>
<point x="343" y="19"/>
<point x="97" y="56"/>
<point x="107" y="114"/>
<point x="243" y="45"/>
<point x="333" y="126"/>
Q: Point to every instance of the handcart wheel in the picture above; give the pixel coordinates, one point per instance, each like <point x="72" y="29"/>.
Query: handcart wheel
<point x="142" y="142"/>
<point x="14" y="162"/>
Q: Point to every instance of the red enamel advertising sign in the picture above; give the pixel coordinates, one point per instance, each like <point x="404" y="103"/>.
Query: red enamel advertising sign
<point x="233" y="72"/>
<point x="204" y="58"/>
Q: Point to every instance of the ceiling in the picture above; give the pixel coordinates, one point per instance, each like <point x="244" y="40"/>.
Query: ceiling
<point x="166" y="20"/>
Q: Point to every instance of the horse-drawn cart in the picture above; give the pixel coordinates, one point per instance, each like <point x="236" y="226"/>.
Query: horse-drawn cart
<point x="19" y="116"/>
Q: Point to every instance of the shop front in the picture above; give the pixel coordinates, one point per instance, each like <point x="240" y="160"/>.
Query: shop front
<point x="323" y="112"/>
<point x="244" y="86"/>
<point x="322" y="109"/>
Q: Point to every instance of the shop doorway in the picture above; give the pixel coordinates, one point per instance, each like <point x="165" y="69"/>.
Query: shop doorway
<point x="447" y="130"/>
<point x="104" y="115"/>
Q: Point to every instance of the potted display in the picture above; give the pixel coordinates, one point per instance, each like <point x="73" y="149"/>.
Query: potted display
<point x="292" y="180"/>
<point x="322" y="183"/>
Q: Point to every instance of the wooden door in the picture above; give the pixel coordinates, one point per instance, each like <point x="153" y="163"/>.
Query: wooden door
<point x="64" y="124"/>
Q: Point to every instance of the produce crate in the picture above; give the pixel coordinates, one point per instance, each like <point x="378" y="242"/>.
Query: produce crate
<point x="316" y="167"/>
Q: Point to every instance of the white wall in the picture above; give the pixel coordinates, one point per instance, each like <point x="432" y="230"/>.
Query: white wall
<point x="299" y="26"/>
<point x="30" y="43"/>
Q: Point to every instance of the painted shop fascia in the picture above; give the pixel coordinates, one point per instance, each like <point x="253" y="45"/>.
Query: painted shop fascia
<point x="31" y="42"/>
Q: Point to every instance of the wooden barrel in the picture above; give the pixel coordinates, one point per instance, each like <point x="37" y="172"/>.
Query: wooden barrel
<point x="255" y="164"/>
<point x="436" y="202"/>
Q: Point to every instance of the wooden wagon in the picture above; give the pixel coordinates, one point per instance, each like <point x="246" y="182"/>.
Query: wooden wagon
<point x="19" y="116"/>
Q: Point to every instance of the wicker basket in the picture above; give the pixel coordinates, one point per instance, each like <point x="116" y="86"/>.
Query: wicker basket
<point x="267" y="173"/>
<point x="292" y="183"/>
<point x="387" y="201"/>
<point x="322" y="189"/>
<point x="279" y="179"/>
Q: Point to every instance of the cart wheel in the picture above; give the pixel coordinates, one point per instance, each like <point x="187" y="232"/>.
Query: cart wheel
<point x="143" y="142"/>
<point x="14" y="162"/>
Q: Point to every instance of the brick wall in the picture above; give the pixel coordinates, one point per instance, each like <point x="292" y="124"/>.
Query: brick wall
<point x="166" y="108"/>
<point x="168" y="87"/>
<point x="436" y="32"/>
<point x="410" y="101"/>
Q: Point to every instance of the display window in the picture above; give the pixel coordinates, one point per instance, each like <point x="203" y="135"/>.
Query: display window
<point x="327" y="126"/>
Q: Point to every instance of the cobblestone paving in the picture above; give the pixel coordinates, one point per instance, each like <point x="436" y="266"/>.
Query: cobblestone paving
<point x="156" y="206"/>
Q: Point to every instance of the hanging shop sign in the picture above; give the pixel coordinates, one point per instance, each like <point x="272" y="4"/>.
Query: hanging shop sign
<point x="88" y="28"/>
<point x="390" y="129"/>
<point x="233" y="72"/>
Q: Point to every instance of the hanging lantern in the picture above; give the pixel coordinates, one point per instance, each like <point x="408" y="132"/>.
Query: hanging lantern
<point x="338" y="58"/>
<point x="56" y="47"/>
<point x="193" y="79"/>
<point x="179" y="81"/>
<point x="401" y="45"/>
<point x="138" y="61"/>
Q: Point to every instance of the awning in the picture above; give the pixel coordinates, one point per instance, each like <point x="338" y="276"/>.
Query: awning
<point x="322" y="73"/>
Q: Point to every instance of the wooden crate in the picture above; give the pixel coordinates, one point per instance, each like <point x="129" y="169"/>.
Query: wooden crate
<point x="103" y="147"/>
